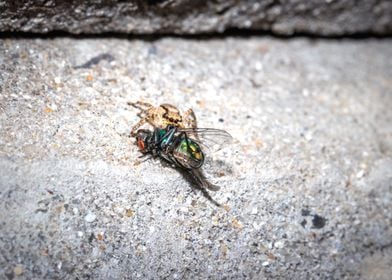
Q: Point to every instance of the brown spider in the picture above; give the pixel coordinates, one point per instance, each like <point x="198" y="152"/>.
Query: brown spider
<point x="162" y="116"/>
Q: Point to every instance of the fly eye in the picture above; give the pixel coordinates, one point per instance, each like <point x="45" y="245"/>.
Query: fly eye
<point x="141" y="144"/>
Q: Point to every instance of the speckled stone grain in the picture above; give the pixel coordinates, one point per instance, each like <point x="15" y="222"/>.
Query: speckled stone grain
<point x="306" y="185"/>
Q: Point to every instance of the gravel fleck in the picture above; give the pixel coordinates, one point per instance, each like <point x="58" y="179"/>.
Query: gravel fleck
<point x="90" y="217"/>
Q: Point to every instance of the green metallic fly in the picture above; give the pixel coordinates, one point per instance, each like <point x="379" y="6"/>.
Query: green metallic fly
<point x="179" y="147"/>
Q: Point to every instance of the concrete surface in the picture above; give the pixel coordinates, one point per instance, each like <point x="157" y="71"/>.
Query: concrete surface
<point x="318" y="17"/>
<point x="306" y="185"/>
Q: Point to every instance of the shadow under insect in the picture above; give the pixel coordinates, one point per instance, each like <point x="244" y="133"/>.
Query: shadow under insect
<point x="197" y="181"/>
<point x="178" y="147"/>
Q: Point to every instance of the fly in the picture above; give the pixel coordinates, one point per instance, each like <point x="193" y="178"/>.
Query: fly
<point x="179" y="147"/>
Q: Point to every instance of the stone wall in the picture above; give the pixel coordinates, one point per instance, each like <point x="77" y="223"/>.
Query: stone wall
<point x="284" y="17"/>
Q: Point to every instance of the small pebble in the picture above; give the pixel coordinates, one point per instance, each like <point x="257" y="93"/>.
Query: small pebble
<point x="254" y="211"/>
<point x="236" y="224"/>
<point x="18" y="270"/>
<point x="129" y="213"/>
<point x="279" y="244"/>
<point x="308" y="136"/>
<point x="100" y="236"/>
<point x="89" y="78"/>
<point x="53" y="106"/>
<point x="90" y="217"/>
<point x="360" y="174"/>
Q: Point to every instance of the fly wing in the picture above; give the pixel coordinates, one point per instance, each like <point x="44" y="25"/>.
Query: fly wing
<point x="186" y="162"/>
<point x="210" y="138"/>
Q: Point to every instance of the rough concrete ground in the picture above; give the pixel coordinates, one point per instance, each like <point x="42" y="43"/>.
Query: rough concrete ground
<point x="306" y="185"/>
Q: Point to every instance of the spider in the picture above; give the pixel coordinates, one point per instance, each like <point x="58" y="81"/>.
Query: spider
<point x="162" y="116"/>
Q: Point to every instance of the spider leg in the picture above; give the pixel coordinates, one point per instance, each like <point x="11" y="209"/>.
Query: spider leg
<point x="189" y="119"/>
<point x="143" y="106"/>
<point x="142" y="114"/>
<point x="136" y="126"/>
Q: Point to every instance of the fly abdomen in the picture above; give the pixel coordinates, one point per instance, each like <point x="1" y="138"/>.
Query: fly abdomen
<point x="188" y="154"/>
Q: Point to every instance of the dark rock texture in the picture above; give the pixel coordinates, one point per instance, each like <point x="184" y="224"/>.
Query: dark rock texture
<point x="286" y="17"/>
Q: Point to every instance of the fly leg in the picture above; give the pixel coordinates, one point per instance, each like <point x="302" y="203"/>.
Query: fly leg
<point x="146" y="157"/>
<point x="143" y="158"/>
<point x="187" y="142"/>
